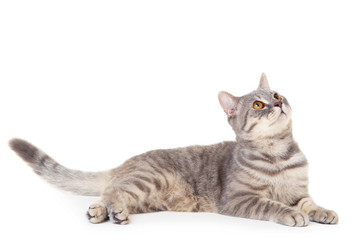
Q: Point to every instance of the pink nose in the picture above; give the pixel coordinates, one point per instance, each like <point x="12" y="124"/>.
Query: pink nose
<point x="278" y="104"/>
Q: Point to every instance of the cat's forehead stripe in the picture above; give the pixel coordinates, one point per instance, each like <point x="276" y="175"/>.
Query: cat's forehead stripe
<point x="261" y="98"/>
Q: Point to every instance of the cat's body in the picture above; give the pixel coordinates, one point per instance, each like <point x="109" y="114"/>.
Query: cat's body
<point x="263" y="175"/>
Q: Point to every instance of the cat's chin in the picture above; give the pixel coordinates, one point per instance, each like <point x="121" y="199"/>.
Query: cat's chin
<point x="282" y="116"/>
<point x="281" y="121"/>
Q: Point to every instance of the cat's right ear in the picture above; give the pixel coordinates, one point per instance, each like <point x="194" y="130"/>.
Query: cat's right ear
<point x="228" y="102"/>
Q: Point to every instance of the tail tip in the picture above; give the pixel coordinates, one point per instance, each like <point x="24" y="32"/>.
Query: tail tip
<point x="24" y="149"/>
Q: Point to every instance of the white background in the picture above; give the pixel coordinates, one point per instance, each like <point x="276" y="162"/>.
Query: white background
<point x="95" y="82"/>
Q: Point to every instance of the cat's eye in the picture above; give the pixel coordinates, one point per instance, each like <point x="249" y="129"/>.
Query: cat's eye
<point x="277" y="97"/>
<point x="258" y="105"/>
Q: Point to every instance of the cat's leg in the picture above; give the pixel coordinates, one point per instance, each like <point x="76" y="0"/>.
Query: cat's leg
<point x="316" y="213"/>
<point x="97" y="212"/>
<point x="261" y="208"/>
<point x="119" y="214"/>
<point x="108" y="208"/>
<point x="141" y="191"/>
<point x="114" y="205"/>
<point x="117" y="202"/>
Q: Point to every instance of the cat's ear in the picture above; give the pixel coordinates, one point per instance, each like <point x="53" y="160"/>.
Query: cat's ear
<point x="228" y="102"/>
<point x="264" y="84"/>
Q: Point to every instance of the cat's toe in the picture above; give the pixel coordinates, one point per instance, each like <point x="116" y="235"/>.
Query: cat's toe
<point x="97" y="213"/>
<point x="321" y="215"/>
<point x="294" y="219"/>
<point x="332" y="218"/>
<point x="301" y="219"/>
<point x="120" y="217"/>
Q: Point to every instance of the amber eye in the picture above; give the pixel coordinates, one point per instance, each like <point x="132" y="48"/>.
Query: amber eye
<point x="258" y="105"/>
<point x="277" y="97"/>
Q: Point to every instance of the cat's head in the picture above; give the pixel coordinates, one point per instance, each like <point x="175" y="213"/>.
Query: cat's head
<point x="262" y="113"/>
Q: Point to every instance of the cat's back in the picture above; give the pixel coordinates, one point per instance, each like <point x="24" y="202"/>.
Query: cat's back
<point x="192" y="159"/>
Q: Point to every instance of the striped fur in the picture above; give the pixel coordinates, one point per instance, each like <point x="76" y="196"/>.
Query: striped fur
<point x="82" y="183"/>
<point x="263" y="175"/>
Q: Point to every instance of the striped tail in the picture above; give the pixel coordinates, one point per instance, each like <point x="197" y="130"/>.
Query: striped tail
<point x="82" y="183"/>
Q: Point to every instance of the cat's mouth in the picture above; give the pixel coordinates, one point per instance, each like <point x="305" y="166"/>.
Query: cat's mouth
<point x="282" y="115"/>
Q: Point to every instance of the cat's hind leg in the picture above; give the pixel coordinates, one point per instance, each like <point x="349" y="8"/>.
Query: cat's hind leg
<point x="118" y="204"/>
<point x="104" y="210"/>
<point x="119" y="215"/>
<point x="100" y="212"/>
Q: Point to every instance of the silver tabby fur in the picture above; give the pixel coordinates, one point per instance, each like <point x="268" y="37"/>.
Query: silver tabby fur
<point x="263" y="175"/>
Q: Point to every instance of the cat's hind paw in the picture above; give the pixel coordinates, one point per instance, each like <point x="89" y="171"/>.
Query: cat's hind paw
<point x="120" y="216"/>
<point x="97" y="213"/>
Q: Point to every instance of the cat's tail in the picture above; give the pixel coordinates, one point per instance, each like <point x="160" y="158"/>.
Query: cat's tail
<point x="82" y="183"/>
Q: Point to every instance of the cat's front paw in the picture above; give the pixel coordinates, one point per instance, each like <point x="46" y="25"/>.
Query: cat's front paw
<point x="294" y="218"/>
<point x="97" y="213"/>
<point x="322" y="215"/>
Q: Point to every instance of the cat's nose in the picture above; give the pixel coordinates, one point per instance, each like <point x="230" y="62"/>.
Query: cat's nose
<point x="278" y="104"/>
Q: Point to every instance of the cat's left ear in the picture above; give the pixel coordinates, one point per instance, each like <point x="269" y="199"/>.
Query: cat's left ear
<point x="264" y="84"/>
<point x="228" y="102"/>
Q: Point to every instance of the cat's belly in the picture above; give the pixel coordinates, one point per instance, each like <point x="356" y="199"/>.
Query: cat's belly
<point x="178" y="196"/>
<point x="181" y="198"/>
<point x="191" y="204"/>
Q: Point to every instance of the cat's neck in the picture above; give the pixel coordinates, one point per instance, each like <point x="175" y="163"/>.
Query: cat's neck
<point x="275" y="145"/>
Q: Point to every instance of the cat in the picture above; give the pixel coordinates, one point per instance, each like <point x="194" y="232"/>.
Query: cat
<point x="262" y="175"/>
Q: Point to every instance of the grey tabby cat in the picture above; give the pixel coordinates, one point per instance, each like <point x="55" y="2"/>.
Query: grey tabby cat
<point x="263" y="175"/>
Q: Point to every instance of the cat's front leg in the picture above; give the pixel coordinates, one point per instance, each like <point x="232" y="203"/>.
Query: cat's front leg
<point x="316" y="213"/>
<point x="261" y="208"/>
